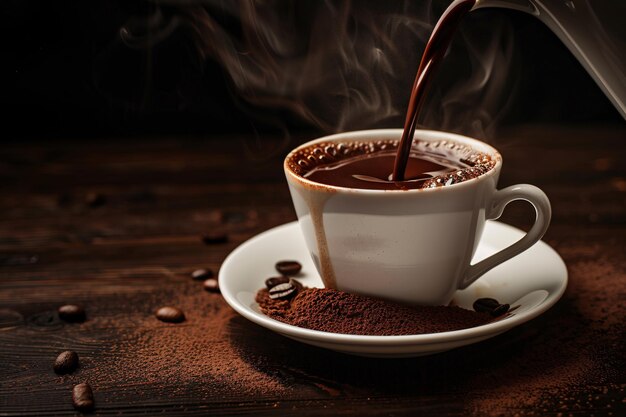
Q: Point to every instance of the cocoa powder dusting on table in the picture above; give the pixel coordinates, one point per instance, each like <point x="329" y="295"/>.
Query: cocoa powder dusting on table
<point x="216" y="354"/>
<point x="194" y="356"/>
<point x="563" y="350"/>
<point x="335" y="311"/>
<point x="529" y="370"/>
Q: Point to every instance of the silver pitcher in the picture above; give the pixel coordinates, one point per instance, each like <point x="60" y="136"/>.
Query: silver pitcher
<point x="594" y="31"/>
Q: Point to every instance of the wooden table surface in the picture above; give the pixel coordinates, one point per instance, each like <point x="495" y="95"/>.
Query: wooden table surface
<point x="131" y="252"/>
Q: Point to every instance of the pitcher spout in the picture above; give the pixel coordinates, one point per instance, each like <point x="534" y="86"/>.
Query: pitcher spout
<point x="586" y="31"/>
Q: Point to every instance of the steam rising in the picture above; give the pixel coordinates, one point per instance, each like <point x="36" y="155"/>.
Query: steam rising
<point x="472" y="102"/>
<point x="342" y="65"/>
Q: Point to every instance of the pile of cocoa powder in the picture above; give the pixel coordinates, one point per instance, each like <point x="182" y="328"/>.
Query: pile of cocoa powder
<point x="335" y="311"/>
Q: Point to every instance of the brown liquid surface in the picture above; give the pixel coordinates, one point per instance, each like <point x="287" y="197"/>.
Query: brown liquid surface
<point x="369" y="165"/>
<point x="373" y="171"/>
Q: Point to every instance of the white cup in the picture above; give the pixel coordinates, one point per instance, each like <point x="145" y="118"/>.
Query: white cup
<point x="412" y="246"/>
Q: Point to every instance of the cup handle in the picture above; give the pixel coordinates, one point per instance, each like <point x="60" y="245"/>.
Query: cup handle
<point x="501" y="198"/>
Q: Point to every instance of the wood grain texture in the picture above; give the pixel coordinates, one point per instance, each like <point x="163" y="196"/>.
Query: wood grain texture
<point x="134" y="253"/>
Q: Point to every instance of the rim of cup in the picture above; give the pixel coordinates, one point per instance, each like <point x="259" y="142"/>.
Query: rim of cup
<point x="378" y="134"/>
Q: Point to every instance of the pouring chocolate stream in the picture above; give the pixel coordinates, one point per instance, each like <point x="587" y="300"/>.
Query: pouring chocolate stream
<point x="432" y="57"/>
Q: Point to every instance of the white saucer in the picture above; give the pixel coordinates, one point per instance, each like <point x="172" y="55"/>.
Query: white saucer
<point x="534" y="281"/>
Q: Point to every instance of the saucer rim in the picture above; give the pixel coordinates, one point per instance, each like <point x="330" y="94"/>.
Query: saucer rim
<point x="289" y="330"/>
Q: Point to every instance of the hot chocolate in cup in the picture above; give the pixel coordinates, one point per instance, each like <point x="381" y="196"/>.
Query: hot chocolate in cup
<point x="412" y="241"/>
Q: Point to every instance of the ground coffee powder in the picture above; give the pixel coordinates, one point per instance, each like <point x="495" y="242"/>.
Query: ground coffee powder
<point x="335" y="311"/>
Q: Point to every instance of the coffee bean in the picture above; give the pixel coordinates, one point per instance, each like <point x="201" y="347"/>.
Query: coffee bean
<point x="72" y="313"/>
<point x="82" y="397"/>
<point x="288" y="267"/>
<point x="283" y="291"/>
<point x="214" y="238"/>
<point x="202" y="274"/>
<point x="490" y="306"/>
<point x="66" y="362"/>
<point x="170" y="315"/>
<point x="485" y="305"/>
<point x="211" y="285"/>
<point x="274" y="281"/>
<point x="500" y="310"/>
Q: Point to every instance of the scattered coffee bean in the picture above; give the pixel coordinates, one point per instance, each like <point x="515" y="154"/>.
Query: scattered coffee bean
<point x="274" y="281"/>
<point x="72" y="313"/>
<point x="288" y="267"/>
<point x="214" y="238"/>
<point x="95" y="199"/>
<point x="170" y="314"/>
<point x="283" y="291"/>
<point x="202" y="274"/>
<point x="490" y="306"/>
<point x="66" y="362"/>
<point x="211" y="285"/>
<point x="82" y="397"/>
<point x="485" y="305"/>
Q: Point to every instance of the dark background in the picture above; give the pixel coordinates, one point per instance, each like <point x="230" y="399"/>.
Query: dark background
<point x="65" y="74"/>
<point x="121" y="159"/>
